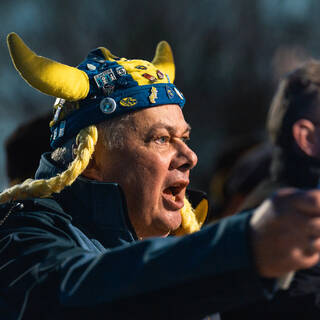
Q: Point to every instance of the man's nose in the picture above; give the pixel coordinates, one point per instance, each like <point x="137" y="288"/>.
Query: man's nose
<point x="184" y="159"/>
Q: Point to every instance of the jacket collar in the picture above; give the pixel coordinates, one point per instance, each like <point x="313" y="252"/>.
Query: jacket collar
<point x="97" y="208"/>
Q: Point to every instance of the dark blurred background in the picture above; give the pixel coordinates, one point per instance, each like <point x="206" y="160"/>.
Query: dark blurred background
<point x="229" y="56"/>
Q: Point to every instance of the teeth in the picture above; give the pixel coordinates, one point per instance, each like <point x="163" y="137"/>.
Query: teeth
<point x="174" y="198"/>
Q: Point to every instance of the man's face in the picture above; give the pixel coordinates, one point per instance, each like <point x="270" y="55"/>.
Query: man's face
<point x="152" y="168"/>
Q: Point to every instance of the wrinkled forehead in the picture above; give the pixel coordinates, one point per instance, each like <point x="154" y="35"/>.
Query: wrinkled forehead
<point x="169" y="117"/>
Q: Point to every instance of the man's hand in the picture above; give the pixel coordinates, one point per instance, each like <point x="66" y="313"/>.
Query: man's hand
<point x="286" y="232"/>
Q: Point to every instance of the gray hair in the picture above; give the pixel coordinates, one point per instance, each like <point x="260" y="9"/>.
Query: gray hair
<point x="112" y="132"/>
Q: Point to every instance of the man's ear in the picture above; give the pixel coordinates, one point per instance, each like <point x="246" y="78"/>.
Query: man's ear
<point x="304" y="134"/>
<point x="92" y="170"/>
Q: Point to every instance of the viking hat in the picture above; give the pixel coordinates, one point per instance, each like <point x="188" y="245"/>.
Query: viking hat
<point x="100" y="88"/>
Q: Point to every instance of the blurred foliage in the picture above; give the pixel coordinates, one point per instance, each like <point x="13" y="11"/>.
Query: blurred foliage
<point x="229" y="55"/>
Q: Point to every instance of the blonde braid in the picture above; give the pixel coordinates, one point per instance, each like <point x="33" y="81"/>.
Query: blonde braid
<point x="86" y="140"/>
<point x="192" y="219"/>
<point x="189" y="222"/>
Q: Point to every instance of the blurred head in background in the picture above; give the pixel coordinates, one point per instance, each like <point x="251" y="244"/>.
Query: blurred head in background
<point x="25" y="146"/>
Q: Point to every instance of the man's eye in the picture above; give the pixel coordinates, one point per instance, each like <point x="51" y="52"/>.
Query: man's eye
<point x="162" y="139"/>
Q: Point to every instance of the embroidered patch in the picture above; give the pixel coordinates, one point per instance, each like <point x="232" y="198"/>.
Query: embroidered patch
<point x="153" y="95"/>
<point x="128" y="102"/>
<point x="104" y="77"/>
<point x="170" y="92"/>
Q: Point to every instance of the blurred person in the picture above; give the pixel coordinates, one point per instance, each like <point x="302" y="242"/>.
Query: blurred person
<point x="248" y="171"/>
<point x="238" y="171"/>
<point x="106" y="228"/>
<point x="293" y="126"/>
<point x="26" y="139"/>
<point x="234" y="178"/>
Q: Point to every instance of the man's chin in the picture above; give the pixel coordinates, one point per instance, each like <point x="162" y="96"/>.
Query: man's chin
<point x="172" y="220"/>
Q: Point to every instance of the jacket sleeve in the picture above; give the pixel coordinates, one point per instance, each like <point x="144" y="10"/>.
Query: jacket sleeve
<point x="186" y="277"/>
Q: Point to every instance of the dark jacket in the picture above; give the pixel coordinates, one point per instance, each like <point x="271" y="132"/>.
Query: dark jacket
<point x="302" y="299"/>
<point x="76" y="256"/>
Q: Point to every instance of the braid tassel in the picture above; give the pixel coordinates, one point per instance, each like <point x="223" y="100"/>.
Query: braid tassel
<point x="192" y="219"/>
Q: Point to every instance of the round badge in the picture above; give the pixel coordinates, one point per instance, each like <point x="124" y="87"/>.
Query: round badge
<point x="108" y="105"/>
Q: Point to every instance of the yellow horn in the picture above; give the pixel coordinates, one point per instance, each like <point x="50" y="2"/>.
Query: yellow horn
<point x="163" y="59"/>
<point x="48" y="76"/>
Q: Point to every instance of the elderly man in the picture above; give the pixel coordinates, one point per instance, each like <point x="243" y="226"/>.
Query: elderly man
<point x="92" y="235"/>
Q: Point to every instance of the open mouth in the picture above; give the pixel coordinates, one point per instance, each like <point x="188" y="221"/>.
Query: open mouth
<point x="174" y="196"/>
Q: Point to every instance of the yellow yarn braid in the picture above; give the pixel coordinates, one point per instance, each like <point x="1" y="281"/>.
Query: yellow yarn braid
<point x="86" y="140"/>
<point x="192" y="219"/>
